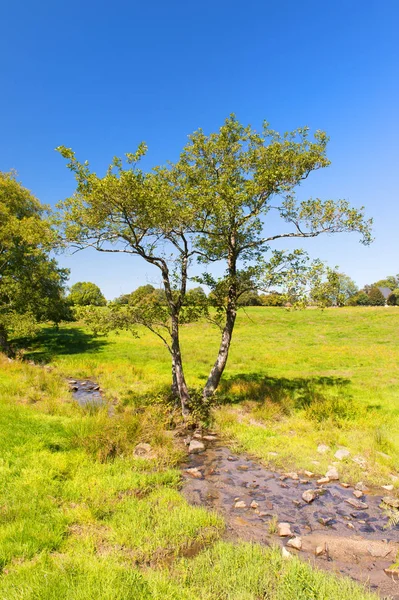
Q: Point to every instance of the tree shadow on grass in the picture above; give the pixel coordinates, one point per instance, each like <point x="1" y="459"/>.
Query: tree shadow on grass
<point x="51" y="342"/>
<point x="303" y="391"/>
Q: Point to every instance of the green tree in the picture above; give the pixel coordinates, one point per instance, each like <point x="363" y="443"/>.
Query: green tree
<point x="250" y="298"/>
<point x="393" y="298"/>
<point x="335" y="290"/>
<point x="233" y="180"/>
<point x="211" y="206"/>
<point x="86" y="293"/>
<point x="376" y="298"/>
<point x="390" y="282"/>
<point x="31" y="284"/>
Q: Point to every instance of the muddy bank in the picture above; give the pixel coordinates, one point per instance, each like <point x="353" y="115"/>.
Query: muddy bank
<point x="347" y="530"/>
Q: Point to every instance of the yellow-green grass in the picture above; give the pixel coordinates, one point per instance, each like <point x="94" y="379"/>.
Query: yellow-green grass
<point x="83" y="518"/>
<point x="294" y="380"/>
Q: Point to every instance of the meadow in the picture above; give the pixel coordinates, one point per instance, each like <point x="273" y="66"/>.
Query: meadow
<point x="83" y="517"/>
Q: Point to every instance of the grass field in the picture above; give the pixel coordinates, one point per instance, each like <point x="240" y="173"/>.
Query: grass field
<point x="83" y="518"/>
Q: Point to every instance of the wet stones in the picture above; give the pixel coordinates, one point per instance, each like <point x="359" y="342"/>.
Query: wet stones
<point x="196" y="447"/>
<point x="195" y="473"/>
<point x="390" y="501"/>
<point x="357" y="493"/>
<point x="323" y="480"/>
<point x="240" y="504"/>
<point x="284" y="530"/>
<point x="309" y="495"/>
<point x="356" y="503"/>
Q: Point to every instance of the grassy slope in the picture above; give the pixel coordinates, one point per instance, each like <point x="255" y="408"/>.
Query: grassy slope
<point x="82" y="518"/>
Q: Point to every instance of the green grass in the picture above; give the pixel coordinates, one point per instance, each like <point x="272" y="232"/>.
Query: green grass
<point x="293" y="380"/>
<point x="82" y="518"/>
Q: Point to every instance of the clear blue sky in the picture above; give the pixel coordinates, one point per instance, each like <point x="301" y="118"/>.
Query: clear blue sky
<point x="102" y="76"/>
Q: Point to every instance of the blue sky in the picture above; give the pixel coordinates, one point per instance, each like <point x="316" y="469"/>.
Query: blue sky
<point x="100" y="77"/>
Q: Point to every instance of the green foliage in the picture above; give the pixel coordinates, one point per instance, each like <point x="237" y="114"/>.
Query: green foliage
<point x="393" y="299"/>
<point x="335" y="290"/>
<point x="250" y="298"/>
<point x="376" y="298"/>
<point x="391" y="282"/>
<point x="359" y="299"/>
<point x="273" y="299"/>
<point x="31" y="284"/>
<point x="85" y="293"/>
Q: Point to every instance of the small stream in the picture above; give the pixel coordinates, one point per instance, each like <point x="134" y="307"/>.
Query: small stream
<point x="348" y="532"/>
<point x="87" y="393"/>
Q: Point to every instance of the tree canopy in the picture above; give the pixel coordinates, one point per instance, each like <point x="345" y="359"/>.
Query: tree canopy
<point x="86" y="293"/>
<point x="211" y="206"/>
<point x="31" y="283"/>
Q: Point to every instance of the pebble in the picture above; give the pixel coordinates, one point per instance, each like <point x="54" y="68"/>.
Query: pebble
<point x="284" y="530"/>
<point x="196" y="447"/>
<point x="309" y="495"/>
<point x="342" y="453"/>
<point x="194" y="472"/>
<point x="390" y="501"/>
<point x="295" y="542"/>
<point x="345" y="485"/>
<point x="320" y="550"/>
<point x="323" y="480"/>
<point x="285" y="553"/>
<point x="356" y="503"/>
<point x="388" y="488"/>
<point x="254" y="504"/>
<point x="357" y="493"/>
<point x="209" y="438"/>
<point x="240" y="504"/>
<point x="332" y="473"/>
<point x="308" y="473"/>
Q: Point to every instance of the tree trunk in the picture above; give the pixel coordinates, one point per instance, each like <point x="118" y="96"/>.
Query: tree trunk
<point x="231" y="312"/>
<point x="4" y="344"/>
<point x="174" y="387"/>
<point x="177" y="366"/>
<point x="218" y="368"/>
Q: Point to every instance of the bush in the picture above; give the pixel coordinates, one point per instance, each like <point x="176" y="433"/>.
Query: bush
<point x="393" y="298"/>
<point x="273" y="299"/>
<point x="359" y="299"/>
<point x="376" y="298"/>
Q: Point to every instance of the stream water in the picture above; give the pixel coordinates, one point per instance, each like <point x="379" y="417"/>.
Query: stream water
<point x="349" y="534"/>
<point x="87" y="393"/>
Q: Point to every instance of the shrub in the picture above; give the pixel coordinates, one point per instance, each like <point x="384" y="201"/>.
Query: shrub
<point x="393" y="298"/>
<point x="359" y="299"/>
<point x="273" y="299"/>
<point x="376" y="298"/>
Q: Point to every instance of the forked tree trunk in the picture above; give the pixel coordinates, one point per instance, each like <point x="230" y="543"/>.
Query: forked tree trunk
<point x="217" y="370"/>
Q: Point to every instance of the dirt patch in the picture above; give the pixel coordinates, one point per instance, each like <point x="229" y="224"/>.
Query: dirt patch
<point x="348" y="533"/>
